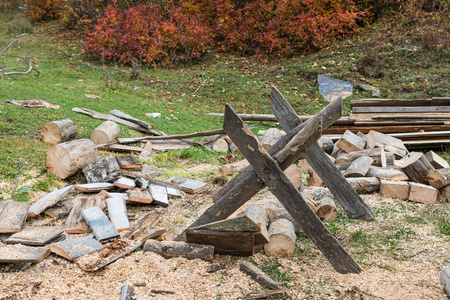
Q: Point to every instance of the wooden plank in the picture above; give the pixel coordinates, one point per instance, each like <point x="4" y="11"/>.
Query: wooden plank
<point x="239" y="223"/>
<point x="35" y="236"/>
<point x="147" y="172"/>
<point x="94" y="187"/>
<point x="129" y="162"/>
<point x="400" y="102"/>
<point x="170" y="137"/>
<point x="225" y="242"/>
<point x="140" y="196"/>
<point x="172" y="189"/>
<point x="13" y="215"/>
<point x="75" y="222"/>
<point x="121" y="148"/>
<point x="127" y="117"/>
<point x="401" y="109"/>
<point x="387" y="116"/>
<point x="63" y="207"/>
<point x="158" y="194"/>
<point x="20" y="254"/>
<point x="71" y="249"/>
<point x="268" y="169"/>
<point x="99" y="223"/>
<point x="125" y="183"/>
<point x="117" y="212"/>
<point x="48" y="201"/>
<point x="146" y="151"/>
<point x="188" y="185"/>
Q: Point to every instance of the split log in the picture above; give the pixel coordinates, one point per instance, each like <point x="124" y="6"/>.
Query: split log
<point x="416" y="167"/>
<point x="365" y="185"/>
<point x="12" y="216"/>
<point x="235" y="167"/>
<point x="220" y="145"/>
<point x="326" y="144"/>
<point x="342" y="157"/>
<point x="64" y="160"/>
<point x="259" y="215"/>
<point x="439" y="178"/>
<point x="281" y="239"/>
<point x="377" y="154"/>
<point x="359" y="167"/>
<point x="394" y="189"/>
<point x="105" y="133"/>
<point x="350" y="142"/>
<point x="375" y="138"/>
<point x="387" y="173"/>
<point x="326" y="207"/>
<point x="48" y="200"/>
<point x="259" y="276"/>
<point x="445" y="280"/>
<point x="57" y="132"/>
<point x="270" y="137"/>
<point x="170" y="249"/>
<point x="294" y="174"/>
<point x="422" y="193"/>
<point x="436" y="161"/>
<point x="105" y="170"/>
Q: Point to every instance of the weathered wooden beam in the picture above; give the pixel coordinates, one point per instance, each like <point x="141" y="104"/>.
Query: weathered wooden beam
<point x="170" y="137"/>
<point x="267" y="168"/>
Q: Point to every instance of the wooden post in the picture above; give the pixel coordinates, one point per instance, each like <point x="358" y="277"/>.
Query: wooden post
<point x="59" y="131"/>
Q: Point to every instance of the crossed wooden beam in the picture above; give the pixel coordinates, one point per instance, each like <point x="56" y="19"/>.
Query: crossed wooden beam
<point x="267" y="169"/>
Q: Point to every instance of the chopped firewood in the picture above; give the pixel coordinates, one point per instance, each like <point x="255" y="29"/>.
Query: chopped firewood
<point x="126" y="292"/>
<point x="36" y="236"/>
<point x="94" y="187"/>
<point x="225" y="242"/>
<point x="359" y="167"/>
<point x="234" y="167"/>
<point x="64" y="160"/>
<point x="365" y="185"/>
<point x="20" y="254"/>
<point x="48" y="200"/>
<point x="59" y="131"/>
<point x="375" y="138"/>
<point x="117" y="212"/>
<point x="377" y="154"/>
<point x="276" y="210"/>
<point x="99" y="223"/>
<point x="445" y="279"/>
<point x="125" y="183"/>
<point x="416" y="167"/>
<point x="259" y="276"/>
<point x="71" y="249"/>
<point x="350" y="142"/>
<point x="387" y="173"/>
<point x="146" y="151"/>
<point x="326" y="144"/>
<point x="12" y="216"/>
<point x="270" y="137"/>
<point x="444" y="194"/>
<point x="422" y="193"/>
<point x="105" y="170"/>
<point x="189" y="185"/>
<point x="294" y="174"/>
<point x="394" y="189"/>
<point x="259" y="215"/>
<point x="342" y="157"/>
<point x="220" y="145"/>
<point x="326" y="207"/>
<point x="170" y="249"/>
<point x="439" y="178"/>
<point x="129" y="162"/>
<point x="105" y="133"/>
<point x="281" y="239"/>
<point x="436" y="161"/>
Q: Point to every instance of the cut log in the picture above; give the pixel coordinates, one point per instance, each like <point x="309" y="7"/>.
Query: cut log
<point x="170" y="249"/>
<point x="294" y="174"/>
<point x="326" y="144"/>
<point x="259" y="215"/>
<point x="12" y="216"/>
<point x="387" y="174"/>
<point x="146" y="151"/>
<point x="436" y="161"/>
<point x="101" y="227"/>
<point x="377" y="154"/>
<point x="48" y="201"/>
<point x="64" y="160"/>
<point x="235" y="167"/>
<point x="126" y="292"/>
<point x="71" y="249"/>
<point x="105" y="170"/>
<point x="94" y="187"/>
<point x="220" y="145"/>
<point x="416" y="167"/>
<point x="350" y="142"/>
<point x="394" y="189"/>
<point x="117" y="212"/>
<point x="445" y="280"/>
<point x="398" y="152"/>
<point x="36" y="236"/>
<point x="342" y="157"/>
<point x="326" y="207"/>
<point x="259" y="276"/>
<point x="270" y="137"/>
<point x="129" y="162"/>
<point x="375" y="138"/>
<point x="359" y="167"/>
<point x="20" y="254"/>
<point x="225" y="242"/>
<point x="313" y="178"/>
<point x="422" y="193"/>
<point x="365" y="185"/>
<point x="125" y="183"/>
<point x="57" y="132"/>
<point x="281" y="239"/>
<point x="275" y="210"/>
<point x="439" y="178"/>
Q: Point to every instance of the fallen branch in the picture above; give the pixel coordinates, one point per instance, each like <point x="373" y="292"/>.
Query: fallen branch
<point x="17" y="178"/>
<point x="3" y="71"/>
<point x="170" y="137"/>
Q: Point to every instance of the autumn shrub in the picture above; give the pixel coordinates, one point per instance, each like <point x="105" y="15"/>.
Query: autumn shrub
<point x="44" y="10"/>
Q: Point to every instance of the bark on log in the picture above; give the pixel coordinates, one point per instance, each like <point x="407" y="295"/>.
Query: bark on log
<point x="439" y="178"/>
<point x="359" y="167"/>
<point x="170" y="249"/>
<point x="326" y="144"/>
<point x="64" y="160"/>
<point x="387" y="173"/>
<point x="376" y="154"/>
<point x="326" y="208"/>
<point x="365" y="185"/>
<point x="105" y="133"/>
<point x="416" y="167"/>
<point x="57" y="132"/>
<point x="281" y="239"/>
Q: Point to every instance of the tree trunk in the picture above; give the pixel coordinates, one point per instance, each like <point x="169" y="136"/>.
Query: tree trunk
<point x="59" y="131"/>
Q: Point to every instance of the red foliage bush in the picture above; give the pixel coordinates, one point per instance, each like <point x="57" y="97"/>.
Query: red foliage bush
<point x="183" y="30"/>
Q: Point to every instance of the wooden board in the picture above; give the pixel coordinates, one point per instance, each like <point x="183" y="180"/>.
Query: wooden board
<point x="146" y="151"/>
<point x="240" y="223"/>
<point x="117" y="212"/>
<point x="172" y="189"/>
<point x="225" y="242"/>
<point x="401" y="109"/>
<point x="63" y="207"/>
<point x="20" y="254"/>
<point x="13" y="215"/>
<point x="48" y="201"/>
<point x="36" y="236"/>
<point x="94" y="187"/>
<point x="158" y="194"/>
<point x="147" y="172"/>
<point x="189" y="185"/>
<point x="400" y="102"/>
<point x="139" y="196"/>
<point x="75" y="222"/>
<point x="71" y="249"/>
<point x="125" y="183"/>
<point x="99" y="223"/>
<point x="122" y="148"/>
<point x="129" y="162"/>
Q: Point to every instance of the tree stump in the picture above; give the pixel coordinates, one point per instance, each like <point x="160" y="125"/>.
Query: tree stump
<point x="64" y="160"/>
<point x="105" y="133"/>
<point x="281" y="239"/>
<point x="59" y="131"/>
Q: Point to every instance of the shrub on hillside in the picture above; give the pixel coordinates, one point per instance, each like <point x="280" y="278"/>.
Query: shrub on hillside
<point x="43" y="10"/>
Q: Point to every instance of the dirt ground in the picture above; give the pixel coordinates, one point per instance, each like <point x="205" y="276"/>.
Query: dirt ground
<point x="311" y="276"/>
